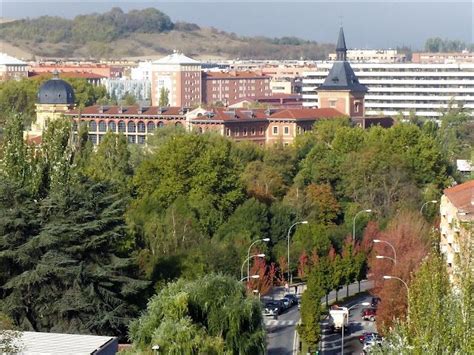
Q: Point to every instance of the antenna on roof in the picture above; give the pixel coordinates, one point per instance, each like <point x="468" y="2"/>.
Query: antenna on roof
<point x="55" y="74"/>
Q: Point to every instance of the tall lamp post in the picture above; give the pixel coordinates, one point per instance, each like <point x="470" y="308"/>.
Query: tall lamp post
<point x="365" y="304"/>
<point x="386" y="257"/>
<point x="354" y="223"/>
<point x="248" y="260"/>
<point x="391" y="246"/>
<point x="423" y="206"/>
<point x="288" y="237"/>
<point x="388" y="277"/>
<point x="251" y="277"/>
<point x="250" y="247"/>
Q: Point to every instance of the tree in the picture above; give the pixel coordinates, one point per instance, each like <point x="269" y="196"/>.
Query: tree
<point x="320" y="204"/>
<point x="164" y="97"/>
<point x="348" y="262"/>
<point x="310" y="329"/>
<point x="65" y="253"/>
<point x="208" y="315"/>
<point x="129" y="99"/>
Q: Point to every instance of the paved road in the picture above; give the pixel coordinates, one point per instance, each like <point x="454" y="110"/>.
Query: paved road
<point x="331" y="342"/>
<point x="281" y="332"/>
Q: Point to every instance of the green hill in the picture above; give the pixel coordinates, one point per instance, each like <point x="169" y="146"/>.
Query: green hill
<point x="145" y="33"/>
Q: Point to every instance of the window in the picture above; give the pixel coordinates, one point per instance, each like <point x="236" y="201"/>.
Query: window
<point x="121" y="126"/>
<point x="112" y="126"/>
<point x="252" y="131"/>
<point x="237" y="131"/>
<point x="131" y="139"/>
<point x="178" y="124"/>
<point x="102" y="126"/>
<point x="227" y="132"/>
<point x="332" y="103"/>
<point x="92" y="126"/>
<point x="245" y="131"/>
<point x="141" y="139"/>
<point x="74" y="126"/>
<point x="357" y="107"/>
<point x="141" y="127"/>
<point x="150" y="127"/>
<point x="261" y="130"/>
<point x="160" y="124"/>
<point x="275" y="130"/>
<point x="298" y="130"/>
<point x="93" y="138"/>
<point x="131" y="127"/>
<point x="286" y="130"/>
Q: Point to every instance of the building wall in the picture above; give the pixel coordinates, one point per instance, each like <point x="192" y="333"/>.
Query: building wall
<point x="99" y="69"/>
<point x="393" y="88"/>
<point x="339" y="100"/>
<point x="283" y="131"/>
<point x="372" y="55"/>
<point x="230" y="89"/>
<point x="441" y="58"/>
<point x="46" y="112"/>
<point x="13" y="72"/>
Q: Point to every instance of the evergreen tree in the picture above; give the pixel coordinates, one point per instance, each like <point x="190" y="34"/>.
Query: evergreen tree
<point x="164" y="97"/>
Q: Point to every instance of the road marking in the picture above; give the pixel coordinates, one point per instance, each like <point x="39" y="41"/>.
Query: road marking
<point x="274" y="322"/>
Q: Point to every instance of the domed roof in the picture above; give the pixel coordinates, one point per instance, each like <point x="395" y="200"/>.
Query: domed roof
<point x="56" y="91"/>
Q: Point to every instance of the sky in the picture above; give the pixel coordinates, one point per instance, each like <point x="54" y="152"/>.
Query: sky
<point x="367" y="24"/>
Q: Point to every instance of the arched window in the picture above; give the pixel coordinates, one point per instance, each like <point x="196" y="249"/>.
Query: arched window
<point x="121" y="126"/>
<point x="161" y="124"/>
<point x="92" y="126"/>
<point x="200" y="130"/>
<point x="141" y="127"/>
<point x="93" y="138"/>
<point x="132" y="127"/>
<point x="102" y="126"/>
<point x="112" y="126"/>
<point x="178" y="124"/>
<point x="150" y="126"/>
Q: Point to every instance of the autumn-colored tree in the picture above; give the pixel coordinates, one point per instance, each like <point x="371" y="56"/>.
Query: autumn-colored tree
<point x="320" y="205"/>
<point x="410" y="237"/>
<point x="303" y="264"/>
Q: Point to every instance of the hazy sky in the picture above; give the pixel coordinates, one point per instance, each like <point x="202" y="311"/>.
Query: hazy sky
<point x="367" y="24"/>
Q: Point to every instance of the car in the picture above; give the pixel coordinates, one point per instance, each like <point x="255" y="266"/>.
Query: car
<point x="369" y="314"/>
<point x="272" y="308"/>
<point x="292" y="298"/>
<point x="286" y="303"/>
<point x="371" y="343"/>
<point x="366" y="336"/>
<point x="375" y="301"/>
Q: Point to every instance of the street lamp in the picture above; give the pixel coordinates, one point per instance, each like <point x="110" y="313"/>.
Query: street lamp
<point x="386" y="257"/>
<point x="251" y="277"/>
<point x="388" y="277"/>
<point x="248" y="251"/>
<point x="354" y="223"/>
<point x="423" y="206"/>
<point x="288" y="237"/>
<point x="391" y="246"/>
<point x="155" y="348"/>
<point x="365" y="304"/>
<point x="248" y="260"/>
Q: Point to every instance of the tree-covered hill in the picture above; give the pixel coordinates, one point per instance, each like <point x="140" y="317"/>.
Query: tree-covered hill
<point x="147" y="32"/>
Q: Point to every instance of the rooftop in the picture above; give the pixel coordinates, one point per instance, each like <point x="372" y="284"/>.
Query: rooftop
<point x="462" y="197"/>
<point x="8" y="60"/>
<point x="235" y="74"/>
<point x="176" y="58"/>
<point x="129" y="111"/>
<point x="36" y="343"/>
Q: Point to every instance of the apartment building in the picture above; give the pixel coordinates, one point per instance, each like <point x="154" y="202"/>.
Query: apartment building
<point x="180" y="76"/>
<point x="424" y="89"/>
<point x="443" y="58"/>
<point x="104" y="70"/>
<point x="12" y="68"/>
<point x="456" y="227"/>
<point x="372" y="56"/>
<point x="233" y="86"/>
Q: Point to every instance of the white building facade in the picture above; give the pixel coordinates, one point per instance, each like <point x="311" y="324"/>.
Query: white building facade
<point x="422" y="89"/>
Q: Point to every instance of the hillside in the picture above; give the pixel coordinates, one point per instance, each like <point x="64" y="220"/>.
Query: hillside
<point x="142" y="33"/>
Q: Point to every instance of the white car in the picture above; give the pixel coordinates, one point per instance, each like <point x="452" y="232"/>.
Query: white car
<point x="371" y="343"/>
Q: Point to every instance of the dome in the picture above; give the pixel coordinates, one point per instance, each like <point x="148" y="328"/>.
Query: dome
<point x="56" y="91"/>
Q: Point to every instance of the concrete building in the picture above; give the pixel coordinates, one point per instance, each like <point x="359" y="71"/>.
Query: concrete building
<point x="456" y="227"/>
<point x="118" y="88"/>
<point x="12" y="68"/>
<point x="233" y="86"/>
<point x="442" y="58"/>
<point x="372" y="56"/>
<point x="142" y="71"/>
<point x="424" y="89"/>
<point x="180" y="76"/>
<point x="287" y="86"/>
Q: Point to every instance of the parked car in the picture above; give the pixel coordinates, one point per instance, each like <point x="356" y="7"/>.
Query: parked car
<point x="366" y="336"/>
<point x="371" y="343"/>
<point x="292" y="298"/>
<point x="272" y="308"/>
<point x="375" y="302"/>
<point x="286" y="303"/>
<point x="369" y="314"/>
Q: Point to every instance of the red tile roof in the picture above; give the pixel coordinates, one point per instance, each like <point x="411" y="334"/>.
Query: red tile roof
<point x="73" y="75"/>
<point x="128" y="110"/>
<point x="226" y="114"/>
<point x="306" y="113"/>
<point x="462" y="196"/>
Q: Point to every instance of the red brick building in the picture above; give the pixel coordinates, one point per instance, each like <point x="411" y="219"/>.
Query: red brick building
<point x="231" y="87"/>
<point x="104" y="70"/>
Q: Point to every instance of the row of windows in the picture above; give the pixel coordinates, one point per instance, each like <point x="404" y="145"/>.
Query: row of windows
<point x="97" y="138"/>
<point x="122" y="127"/>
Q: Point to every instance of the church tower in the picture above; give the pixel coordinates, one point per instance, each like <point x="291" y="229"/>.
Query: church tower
<point x="55" y="97"/>
<point x="341" y="90"/>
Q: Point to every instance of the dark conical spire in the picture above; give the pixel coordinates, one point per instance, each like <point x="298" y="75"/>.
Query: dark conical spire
<point x="341" y="50"/>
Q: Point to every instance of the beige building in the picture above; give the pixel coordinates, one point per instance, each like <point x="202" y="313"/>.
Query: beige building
<point x="442" y="58"/>
<point x="12" y="68"/>
<point x="456" y="226"/>
<point x="180" y="76"/>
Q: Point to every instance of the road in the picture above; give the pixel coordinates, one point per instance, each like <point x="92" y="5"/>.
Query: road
<point x="281" y="335"/>
<point x="331" y="342"/>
